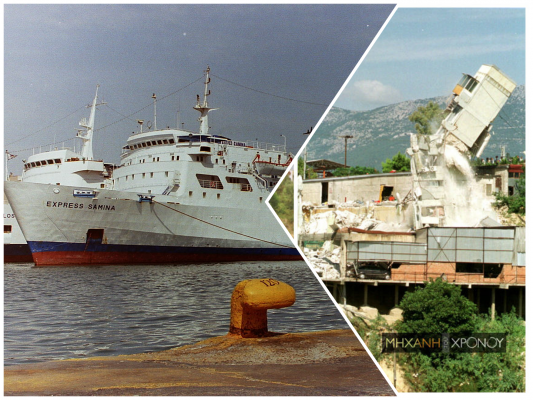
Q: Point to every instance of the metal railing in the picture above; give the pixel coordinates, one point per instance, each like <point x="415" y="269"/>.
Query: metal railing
<point x="513" y="277"/>
<point x="208" y="184"/>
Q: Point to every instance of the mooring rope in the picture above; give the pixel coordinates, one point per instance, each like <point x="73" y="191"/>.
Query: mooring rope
<point x="221" y="227"/>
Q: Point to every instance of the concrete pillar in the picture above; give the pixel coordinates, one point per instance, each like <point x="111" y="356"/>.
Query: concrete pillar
<point x="344" y="294"/>
<point x="471" y="294"/>
<point x="396" y="295"/>
<point x="505" y="301"/>
<point x="365" y="297"/>
<point x="493" y="305"/>
<point x="520" y="302"/>
<point x="343" y="258"/>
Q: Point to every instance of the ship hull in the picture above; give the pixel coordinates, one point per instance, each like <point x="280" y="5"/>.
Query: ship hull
<point x="53" y="253"/>
<point x="17" y="253"/>
<point x="115" y="228"/>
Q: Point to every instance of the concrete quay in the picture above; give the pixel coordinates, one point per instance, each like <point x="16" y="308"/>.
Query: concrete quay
<point x="302" y="364"/>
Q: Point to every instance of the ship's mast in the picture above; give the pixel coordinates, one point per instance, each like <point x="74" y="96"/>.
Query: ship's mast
<point x="203" y="108"/>
<point x="87" y="136"/>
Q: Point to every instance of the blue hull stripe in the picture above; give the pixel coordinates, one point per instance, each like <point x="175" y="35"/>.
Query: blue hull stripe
<point x="38" y="247"/>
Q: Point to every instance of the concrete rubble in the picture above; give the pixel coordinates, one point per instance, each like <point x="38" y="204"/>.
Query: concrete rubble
<point x="445" y="190"/>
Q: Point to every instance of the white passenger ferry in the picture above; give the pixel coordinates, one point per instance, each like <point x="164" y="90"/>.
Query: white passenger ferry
<point x="177" y="197"/>
<point x="58" y="166"/>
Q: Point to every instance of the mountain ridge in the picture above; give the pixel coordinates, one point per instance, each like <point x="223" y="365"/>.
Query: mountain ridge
<point x="383" y="132"/>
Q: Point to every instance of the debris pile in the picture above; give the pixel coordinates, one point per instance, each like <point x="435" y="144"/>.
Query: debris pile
<point x="325" y="260"/>
<point x="333" y="219"/>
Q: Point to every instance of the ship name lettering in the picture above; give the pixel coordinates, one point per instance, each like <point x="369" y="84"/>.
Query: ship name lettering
<point x="101" y="207"/>
<point x="61" y="204"/>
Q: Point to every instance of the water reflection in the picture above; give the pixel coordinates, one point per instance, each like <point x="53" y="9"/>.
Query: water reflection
<point x="65" y="312"/>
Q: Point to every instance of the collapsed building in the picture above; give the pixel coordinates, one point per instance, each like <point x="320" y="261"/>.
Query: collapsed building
<point x="366" y="235"/>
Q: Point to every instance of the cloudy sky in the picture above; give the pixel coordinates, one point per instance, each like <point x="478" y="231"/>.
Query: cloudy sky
<point x="275" y="68"/>
<point x="422" y="53"/>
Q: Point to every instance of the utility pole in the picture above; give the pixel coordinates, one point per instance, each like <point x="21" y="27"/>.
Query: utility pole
<point x="346" y="137"/>
<point x="305" y="152"/>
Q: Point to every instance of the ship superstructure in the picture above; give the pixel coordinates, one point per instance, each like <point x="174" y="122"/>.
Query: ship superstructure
<point x="177" y="197"/>
<point x="58" y="166"/>
<point x="68" y="167"/>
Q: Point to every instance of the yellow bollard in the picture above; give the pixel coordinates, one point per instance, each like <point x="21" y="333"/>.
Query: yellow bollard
<point x="249" y="304"/>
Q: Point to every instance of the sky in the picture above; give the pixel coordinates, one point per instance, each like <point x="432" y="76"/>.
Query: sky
<point x="423" y="53"/>
<point x="274" y="69"/>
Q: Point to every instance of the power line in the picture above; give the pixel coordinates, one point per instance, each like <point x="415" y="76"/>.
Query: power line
<point x="46" y="127"/>
<point x="270" y="94"/>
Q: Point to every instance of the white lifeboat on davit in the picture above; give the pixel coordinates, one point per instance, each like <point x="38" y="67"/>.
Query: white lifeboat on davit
<point x="269" y="167"/>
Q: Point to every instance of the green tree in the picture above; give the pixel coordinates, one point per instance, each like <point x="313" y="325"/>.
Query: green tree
<point x="282" y="201"/>
<point x="399" y="163"/>
<point x="427" y="118"/>
<point x="515" y="203"/>
<point x="309" y="172"/>
<point x="352" y="171"/>
<point x="437" y="308"/>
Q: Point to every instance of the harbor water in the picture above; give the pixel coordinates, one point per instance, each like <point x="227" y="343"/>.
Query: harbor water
<point x="75" y="312"/>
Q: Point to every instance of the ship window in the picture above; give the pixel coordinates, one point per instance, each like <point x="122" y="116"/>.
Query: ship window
<point x="224" y="161"/>
<point x="57" y="161"/>
<point x="166" y="173"/>
<point x="172" y="158"/>
<point x="171" y="141"/>
<point x="165" y="141"/>
<point x="144" y="175"/>
<point x="132" y="177"/>
<point x="7" y="228"/>
<point x="216" y="161"/>
<point x="143" y="144"/>
<point x="33" y="164"/>
<point x="159" y="142"/>
<point x="190" y="193"/>
<point x="209" y="181"/>
<point x="151" y="174"/>
<point x="205" y="148"/>
<point x="204" y="194"/>
<point x="242" y="182"/>
<point x="154" y="143"/>
<point x="260" y="199"/>
<point x="102" y="185"/>
<point x="38" y="163"/>
<point x="218" y="195"/>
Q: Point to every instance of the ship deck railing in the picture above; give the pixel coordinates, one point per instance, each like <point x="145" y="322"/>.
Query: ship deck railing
<point x="209" y="184"/>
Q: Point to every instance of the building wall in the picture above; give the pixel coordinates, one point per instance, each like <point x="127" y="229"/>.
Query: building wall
<point x="367" y="187"/>
<point x="355" y="188"/>
<point x="422" y="273"/>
